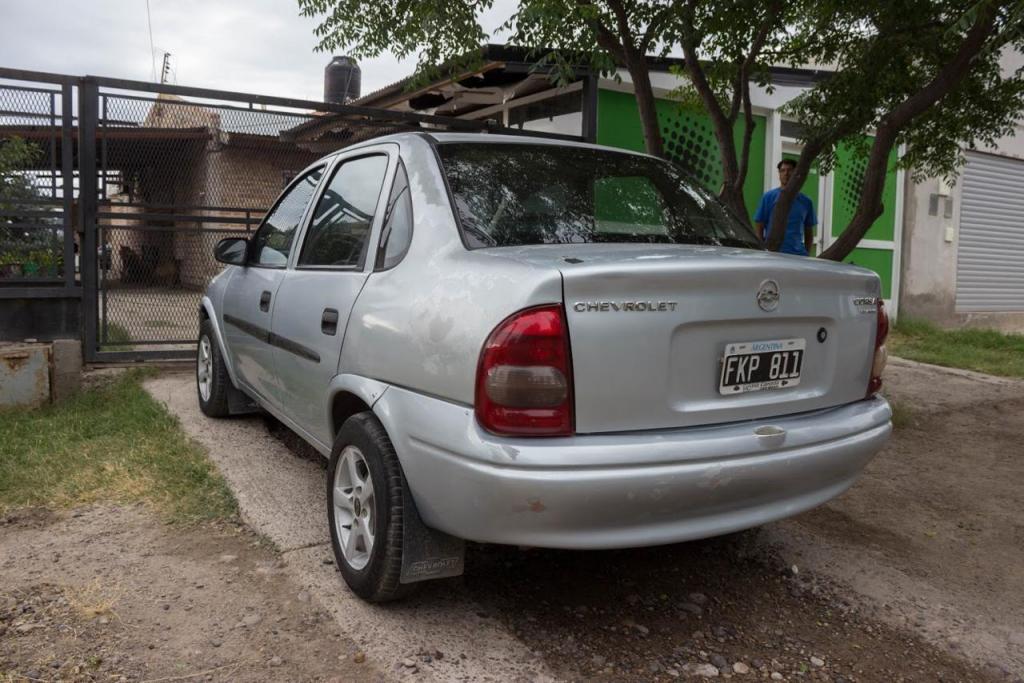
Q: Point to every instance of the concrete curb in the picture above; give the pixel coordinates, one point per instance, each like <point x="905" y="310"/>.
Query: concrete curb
<point x="957" y="372"/>
<point x="282" y="497"/>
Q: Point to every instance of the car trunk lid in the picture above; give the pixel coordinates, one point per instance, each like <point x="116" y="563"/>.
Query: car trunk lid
<point x="650" y="325"/>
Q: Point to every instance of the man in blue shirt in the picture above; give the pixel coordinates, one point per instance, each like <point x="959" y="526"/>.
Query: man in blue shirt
<point x="799" y="237"/>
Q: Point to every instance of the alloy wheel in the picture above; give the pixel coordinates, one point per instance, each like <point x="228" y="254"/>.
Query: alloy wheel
<point x="355" y="517"/>
<point x="204" y="368"/>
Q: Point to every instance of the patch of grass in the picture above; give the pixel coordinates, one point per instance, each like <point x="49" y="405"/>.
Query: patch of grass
<point x="112" y="442"/>
<point x="902" y="414"/>
<point x="92" y="600"/>
<point x="988" y="351"/>
<point x="117" y="336"/>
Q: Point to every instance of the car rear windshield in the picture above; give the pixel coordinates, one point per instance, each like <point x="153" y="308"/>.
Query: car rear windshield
<point x="512" y="194"/>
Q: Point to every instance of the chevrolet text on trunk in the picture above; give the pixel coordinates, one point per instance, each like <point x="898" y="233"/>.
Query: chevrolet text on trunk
<point x="533" y="342"/>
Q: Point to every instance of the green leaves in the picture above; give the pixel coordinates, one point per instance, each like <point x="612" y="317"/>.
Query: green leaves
<point x="886" y="52"/>
<point x="447" y="35"/>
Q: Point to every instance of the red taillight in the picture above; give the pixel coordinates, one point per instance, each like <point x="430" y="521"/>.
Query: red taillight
<point x="524" y="379"/>
<point x="881" y="354"/>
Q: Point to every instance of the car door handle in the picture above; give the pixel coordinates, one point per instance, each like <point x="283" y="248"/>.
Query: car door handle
<point x="329" y="322"/>
<point x="265" y="301"/>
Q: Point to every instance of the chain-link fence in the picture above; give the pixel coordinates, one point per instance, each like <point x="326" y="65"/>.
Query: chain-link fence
<point x="117" y="191"/>
<point x="175" y="175"/>
<point x="33" y="213"/>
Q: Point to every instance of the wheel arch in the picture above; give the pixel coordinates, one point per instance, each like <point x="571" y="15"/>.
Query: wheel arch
<point x="349" y="395"/>
<point x="207" y="312"/>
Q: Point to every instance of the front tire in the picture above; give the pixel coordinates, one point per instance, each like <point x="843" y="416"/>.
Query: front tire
<point x="365" y="509"/>
<point x="212" y="381"/>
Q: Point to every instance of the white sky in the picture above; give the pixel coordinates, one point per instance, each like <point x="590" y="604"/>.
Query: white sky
<point x="258" y="46"/>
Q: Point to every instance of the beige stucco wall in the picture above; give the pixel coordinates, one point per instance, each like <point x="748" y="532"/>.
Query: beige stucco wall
<point x="928" y="288"/>
<point x="235" y="177"/>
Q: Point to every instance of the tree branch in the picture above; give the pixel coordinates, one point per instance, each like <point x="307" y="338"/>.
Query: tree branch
<point x="622" y="20"/>
<point x="656" y="25"/>
<point x="748" y="136"/>
<point x="756" y="46"/>
<point x="869" y="206"/>
<point x="604" y="36"/>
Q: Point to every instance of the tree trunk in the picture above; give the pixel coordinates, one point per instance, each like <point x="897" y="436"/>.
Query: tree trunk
<point x="637" y="67"/>
<point x="780" y="214"/>
<point x="733" y="198"/>
<point x="624" y="48"/>
<point x="723" y="127"/>
<point x="869" y="206"/>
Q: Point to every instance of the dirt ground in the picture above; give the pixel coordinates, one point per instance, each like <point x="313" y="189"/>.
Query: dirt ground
<point x="915" y="574"/>
<point x="108" y="594"/>
<point x="933" y="534"/>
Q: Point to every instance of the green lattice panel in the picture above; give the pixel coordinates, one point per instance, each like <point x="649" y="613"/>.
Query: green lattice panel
<point x="848" y="179"/>
<point x="689" y="140"/>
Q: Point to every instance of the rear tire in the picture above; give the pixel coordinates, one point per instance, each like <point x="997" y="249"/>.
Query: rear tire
<point x="365" y="509"/>
<point x="212" y="380"/>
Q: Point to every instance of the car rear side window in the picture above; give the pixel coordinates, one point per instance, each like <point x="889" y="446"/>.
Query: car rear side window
<point x="396" y="235"/>
<point x="511" y="194"/>
<point x="340" y="229"/>
<point x="273" y="241"/>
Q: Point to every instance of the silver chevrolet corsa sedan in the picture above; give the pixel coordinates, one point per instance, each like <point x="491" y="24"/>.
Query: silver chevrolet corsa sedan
<point x="525" y="341"/>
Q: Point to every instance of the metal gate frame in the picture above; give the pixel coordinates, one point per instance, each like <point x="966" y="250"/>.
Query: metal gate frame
<point x="65" y="285"/>
<point x="88" y="134"/>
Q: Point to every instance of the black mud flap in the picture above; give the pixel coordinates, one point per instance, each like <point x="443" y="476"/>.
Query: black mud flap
<point x="239" y="402"/>
<point x="427" y="553"/>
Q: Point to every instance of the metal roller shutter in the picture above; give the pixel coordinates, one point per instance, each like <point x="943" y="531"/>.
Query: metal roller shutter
<point x="990" y="257"/>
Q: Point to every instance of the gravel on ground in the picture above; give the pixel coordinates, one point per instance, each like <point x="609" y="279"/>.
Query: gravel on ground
<point x="903" y="578"/>
<point x="114" y="594"/>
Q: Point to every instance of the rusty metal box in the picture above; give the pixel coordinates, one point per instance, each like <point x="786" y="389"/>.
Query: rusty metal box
<point x="24" y="374"/>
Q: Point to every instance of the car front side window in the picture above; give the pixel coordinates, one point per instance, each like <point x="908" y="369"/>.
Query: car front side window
<point x="273" y="241"/>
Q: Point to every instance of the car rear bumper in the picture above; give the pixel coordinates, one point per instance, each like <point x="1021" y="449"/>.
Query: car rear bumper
<point x="627" y="489"/>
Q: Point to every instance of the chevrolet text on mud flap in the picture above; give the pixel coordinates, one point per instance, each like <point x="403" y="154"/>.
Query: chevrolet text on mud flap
<point x="604" y="306"/>
<point x="426" y="311"/>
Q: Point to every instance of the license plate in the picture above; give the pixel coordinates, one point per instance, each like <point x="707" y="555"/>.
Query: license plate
<point x="755" y="366"/>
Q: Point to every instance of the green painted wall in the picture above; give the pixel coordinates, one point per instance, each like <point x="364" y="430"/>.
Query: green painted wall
<point x="878" y="260"/>
<point x="689" y="140"/>
<point x="848" y="178"/>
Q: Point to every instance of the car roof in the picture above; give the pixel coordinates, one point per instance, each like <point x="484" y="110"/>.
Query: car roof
<point x="484" y="138"/>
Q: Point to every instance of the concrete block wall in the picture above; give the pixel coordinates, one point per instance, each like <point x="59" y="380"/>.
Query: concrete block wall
<point x="36" y="373"/>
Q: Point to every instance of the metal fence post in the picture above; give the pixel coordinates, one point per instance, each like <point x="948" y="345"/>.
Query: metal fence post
<point x="88" y="110"/>
<point x="67" y="157"/>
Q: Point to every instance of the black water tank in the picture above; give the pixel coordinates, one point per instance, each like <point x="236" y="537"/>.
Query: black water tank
<point x="341" y="80"/>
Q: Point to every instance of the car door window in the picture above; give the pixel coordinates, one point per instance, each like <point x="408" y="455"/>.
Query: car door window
<point x="273" y="241"/>
<point x="396" y="234"/>
<point x="340" y="229"/>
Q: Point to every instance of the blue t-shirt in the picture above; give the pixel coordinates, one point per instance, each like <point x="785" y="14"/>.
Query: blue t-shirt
<point x="801" y="215"/>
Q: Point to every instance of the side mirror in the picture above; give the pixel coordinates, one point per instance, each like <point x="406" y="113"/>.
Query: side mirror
<point x="232" y="251"/>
